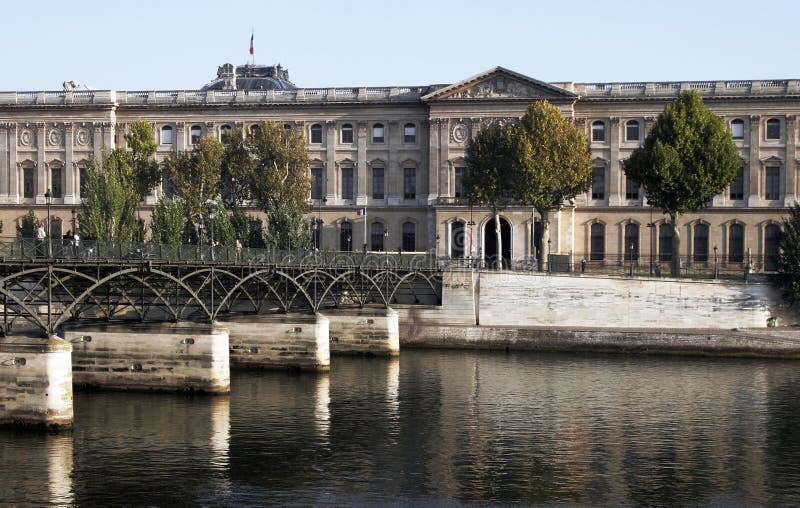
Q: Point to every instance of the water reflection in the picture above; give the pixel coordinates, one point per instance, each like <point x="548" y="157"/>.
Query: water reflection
<point x="35" y="468"/>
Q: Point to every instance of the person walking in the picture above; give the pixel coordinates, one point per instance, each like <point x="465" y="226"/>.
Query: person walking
<point x="41" y="235"/>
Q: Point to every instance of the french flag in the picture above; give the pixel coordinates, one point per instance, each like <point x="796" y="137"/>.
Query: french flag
<point x="251" y="44"/>
<point x="361" y="212"/>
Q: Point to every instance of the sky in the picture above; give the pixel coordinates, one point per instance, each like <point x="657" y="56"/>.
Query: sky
<point x="173" y="45"/>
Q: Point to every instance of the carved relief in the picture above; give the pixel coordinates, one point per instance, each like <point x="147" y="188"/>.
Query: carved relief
<point x="499" y="86"/>
<point x="26" y="137"/>
<point x="459" y="133"/>
<point x="55" y="137"/>
<point x="82" y="137"/>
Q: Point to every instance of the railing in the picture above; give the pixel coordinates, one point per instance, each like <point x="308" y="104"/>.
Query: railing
<point x="705" y="88"/>
<point x="88" y="250"/>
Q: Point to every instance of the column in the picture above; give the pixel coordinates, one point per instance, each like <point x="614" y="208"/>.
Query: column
<point x="42" y="173"/>
<point x="13" y="170"/>
<point x="393" y="179"/>
<point x="4" y="159"/>
<point x="790" y="195"/>
<point x="69" y="165"/>
<point x="180" y="136"/>
<point x="108" y="135"/>
<point x="330" y="159"/>
<point x="443" y="169"/>
<point x="97" y="139"/>
<point x="752" y="180"/>
<point x="614" y="172"/>
<point x="434" y="135"/>
<point x="361" y="164"/>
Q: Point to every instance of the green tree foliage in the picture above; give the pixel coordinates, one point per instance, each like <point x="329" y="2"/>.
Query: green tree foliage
<point x="26" y="227"/>
<point x="558" y="167"/>
<point x="237" y="166"/>
<point x="224" y="233"/>
<point x="109" y="209"/>
<point x="195" y="176"/>
<point x="687" y="158"/>
<point x="145" y="170"/>
<point x="287" y="228"/>
<point x="789" y="257"/>
<point x="166" y="223"/>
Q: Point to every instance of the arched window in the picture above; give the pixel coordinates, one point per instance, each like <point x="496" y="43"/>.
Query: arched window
<point x="598" y="242"/>
<point x="772" y="239"/>
<point x="317" y="225"/>
<point x="316" y="134"/>
<point x="28" y="180"/>
<point x="196" y="132"/>
<point x="409" y="236"/>
<point x="700" y="243"/>
<point x="377" y="133"/>
<point x="166" y="135"/>
<point x="631" y="241"/>
<point x="346" y="236"/>
<point x="377" y="233"/>
<point x="224" y="132"/>
<point x="598" y="131"/>
<point x="632" y="130"/>
<point x="254" y="129"/>
<point x="457" y="240"/>
<point x="57" y="180"/>
<point x="736" y="243"/>
<point x="665" y="242"/>
<point x="773" y="128"/>
<point x="347" y="133"/>
<point x="56" y="228"/>
<point x="737" y="128"/>
<point x="409" y="133"/>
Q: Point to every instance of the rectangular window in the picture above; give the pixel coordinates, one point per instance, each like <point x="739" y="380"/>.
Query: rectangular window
<point x="409" y="133"/>
<point x="82" y="183"/>
<point x="773" y="186"/>
<point x="599" y="183"/>
<point x="377" y="134"/>
<point x="56" y="182"/>
<point x="377" y="183"/>
<point x="737" y="187"/>
<point x="631" y="190"/>
<point x="459" y="182"/>
<point x="27" y="183"/>
<point x="316" y="183"/>
<point x="347" y="183"/>
<point x="410" y="183"/>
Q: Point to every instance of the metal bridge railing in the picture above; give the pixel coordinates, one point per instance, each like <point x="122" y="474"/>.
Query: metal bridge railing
<point x="90" y="250"/>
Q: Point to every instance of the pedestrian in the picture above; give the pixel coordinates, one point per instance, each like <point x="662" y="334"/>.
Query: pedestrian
<point x="238" y="250"/>
<point x="583" y="265"/>
<point x="41" y="235"/>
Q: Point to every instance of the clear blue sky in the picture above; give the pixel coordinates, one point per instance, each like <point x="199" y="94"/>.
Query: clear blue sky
<point x="167" y="45"/>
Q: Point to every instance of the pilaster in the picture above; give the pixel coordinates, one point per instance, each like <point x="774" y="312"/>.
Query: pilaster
<point x="42" y="179"/>
<point x="614" y="173"/>
<point x="361" y="164"/>
<point x="69" y="166"/>
<point x="393" y="164"/>
<point x="753" y="189"/>
<point x="443" y="169"/>
<point x="4" y="156"/>
<point x="330" y="163"/>
<point x="108" y="135"/>
<point x="434" y="136"/>
<point x="97" y="139"/>
<point x="791" y="164"/>
<point x="180" y="136"/>
<point x="13" y="170"/>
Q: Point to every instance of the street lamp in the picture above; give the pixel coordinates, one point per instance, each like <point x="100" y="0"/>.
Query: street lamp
<point x="533" y="238"/>
<point x="549" y="268"/>
<point x="200" y="227"/>
<point x="318" y="224"/>
<point x="48" y="196"/>
<point x="211" y="216"/>
<point x="471" y="223"/>
<point x="632" y="259"/>
<point x="386" y="249"/>
<point x="715" y="262"/>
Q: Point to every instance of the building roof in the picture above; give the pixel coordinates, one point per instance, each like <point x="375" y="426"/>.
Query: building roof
<point x="251" y="77"/>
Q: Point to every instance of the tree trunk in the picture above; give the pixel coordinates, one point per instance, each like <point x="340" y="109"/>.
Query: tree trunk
<point x="544" y="263"/>
<point x="498" y="240"/>
<point x="675" y="266"/>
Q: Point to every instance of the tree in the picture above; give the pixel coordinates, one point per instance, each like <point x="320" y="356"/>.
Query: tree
<point x="687" y="158"/>
<point x="167" y="221"/>
<point x="144" y="168"/>
<point x="109" y="208"/>
<point x="494" y="158"/>
<point x="236" y="169"/>
<point x="789" y="257"/>
<point x="559" y="165"/>
<point x="195" y="176"/>
<point x="26" y="227"/>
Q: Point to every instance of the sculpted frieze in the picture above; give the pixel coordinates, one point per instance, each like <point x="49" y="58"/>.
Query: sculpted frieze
<point x="497" y="87"/>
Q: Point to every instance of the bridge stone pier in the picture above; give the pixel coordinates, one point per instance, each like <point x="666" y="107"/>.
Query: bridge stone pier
<point x="365" y="331"/>
<point x="35" y="382"/>
<point x="158" y="356"/>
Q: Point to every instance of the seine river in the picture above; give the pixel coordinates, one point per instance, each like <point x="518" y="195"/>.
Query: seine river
<point x="433" y="428"/>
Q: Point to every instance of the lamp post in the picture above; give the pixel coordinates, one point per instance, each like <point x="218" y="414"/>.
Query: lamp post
<point x="533" y="238"/>
<point x="471" y="223"/>
<point x="631" y="259"/>
<point x="48" y="196"/>
<point x="386" y="275"/>
<point x="652" y="227"/>
<point x="549" y="268"/>
<point x="715" y="262"/>
<point x="200" y="227"/>
<point x="318" y="224"/>
<point x="211" y="216"/>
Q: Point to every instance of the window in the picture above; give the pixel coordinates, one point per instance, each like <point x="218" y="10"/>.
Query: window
<point x="700" y="242"/>
<point x="773" y="185"/>
<point x="736" y="243"/>
<point x="316" y="183"/>
<point x="316" y="134"/>
<point x="665" y="242"/>
<point x="631" y="241"/>
<point x="377" y="133"/>
<point x="632" y="130"/>
<point x="346" y="236"/>
<point x="773" y="128"/>
<point x="409" y="183"/>
<point x="57" y="182"/>
<point x="598" y="183"/>
<point x="772" y="239"/>
<point x="737" y="128"/>
<point x="598" y="131"/>
<point x="56" y="228"/>
<point x="347" y="183"/>
<point x="82" y="182"/>
<point x="196" y="132"/>
<point x="377" y="231"/>
<point x="631" y="189"/>
<point x="166" y="135"/>
<point x="409" y="133"/>
<point x="457" y="240"/>
<point x="737" y="186"/>
<point x="377" y="183"/>
<point x="254" y="129"/>
<point x="28" y="179"/>
<point x="598" y="242"/>
<point x="224" y="132"/>
<point x="409" y="236"/>
<point x="459" y="182"/>
<point x="347" y="133"/>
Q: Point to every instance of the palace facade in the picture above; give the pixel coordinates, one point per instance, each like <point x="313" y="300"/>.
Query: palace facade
<point x="398" y="151"/>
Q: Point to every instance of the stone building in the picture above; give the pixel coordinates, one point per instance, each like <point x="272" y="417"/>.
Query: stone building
<point x="399" y="152"/>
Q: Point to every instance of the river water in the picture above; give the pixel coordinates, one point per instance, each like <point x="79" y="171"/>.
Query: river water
<point x="433" y="428"/>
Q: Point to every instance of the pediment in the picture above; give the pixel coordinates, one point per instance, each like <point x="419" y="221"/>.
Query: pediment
<point x="499" y="83"/>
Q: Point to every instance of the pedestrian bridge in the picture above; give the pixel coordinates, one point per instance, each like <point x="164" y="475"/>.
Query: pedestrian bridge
<point x="51" y="283"/>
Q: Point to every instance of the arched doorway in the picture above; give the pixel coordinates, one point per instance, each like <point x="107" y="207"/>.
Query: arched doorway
<point x="490" y="243"/>
<point x="772" y="240"/>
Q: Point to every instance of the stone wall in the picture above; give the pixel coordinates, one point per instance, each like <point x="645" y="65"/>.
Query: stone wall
<point x="364" y="331"/>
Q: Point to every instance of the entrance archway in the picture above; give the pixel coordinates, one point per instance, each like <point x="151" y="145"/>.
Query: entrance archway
<point x="490" y="243"/>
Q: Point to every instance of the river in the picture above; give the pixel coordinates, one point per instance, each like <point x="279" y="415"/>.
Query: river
<point x="433" y="428"/>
